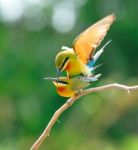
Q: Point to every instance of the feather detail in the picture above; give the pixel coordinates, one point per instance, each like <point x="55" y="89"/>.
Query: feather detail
<point x="91" y="79"/>
<point x="86" y="43"/>
<point x="65" y="48"/>
<point x="96" y="56"/>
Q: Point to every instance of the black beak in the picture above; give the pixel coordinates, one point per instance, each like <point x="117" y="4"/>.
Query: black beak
<point x="58" y="74"/>
<point x="50" y="78"/>
<point x="56" y="80"/>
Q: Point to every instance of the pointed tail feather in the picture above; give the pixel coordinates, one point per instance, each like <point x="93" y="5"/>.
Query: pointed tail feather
<point x="97" y="55"/>
<point x="94" y="68"/>
<point x="96" y="77"/>
<point x="91" y="79"/>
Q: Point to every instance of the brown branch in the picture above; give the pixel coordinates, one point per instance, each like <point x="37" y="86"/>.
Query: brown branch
<point x="70" y="101"/>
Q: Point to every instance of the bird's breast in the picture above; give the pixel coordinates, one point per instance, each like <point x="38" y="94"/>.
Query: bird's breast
<point x="65" y="91"/>
<point x="75" y="67"/>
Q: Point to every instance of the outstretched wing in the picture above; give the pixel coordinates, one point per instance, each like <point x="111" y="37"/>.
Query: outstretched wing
<point x="85" y="44"/>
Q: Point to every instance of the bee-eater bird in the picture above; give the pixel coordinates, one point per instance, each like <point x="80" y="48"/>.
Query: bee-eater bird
<point x="68" y="87"/>
<point x="80" y="59"/>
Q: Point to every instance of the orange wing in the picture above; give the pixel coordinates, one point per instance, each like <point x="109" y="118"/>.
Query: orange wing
<point x="85" y="44"/>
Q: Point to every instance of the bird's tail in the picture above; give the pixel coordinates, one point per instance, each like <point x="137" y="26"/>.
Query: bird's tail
<point x="91" y="78"/>
<point x="96" y="56"/>
<point x="94" y="68"/>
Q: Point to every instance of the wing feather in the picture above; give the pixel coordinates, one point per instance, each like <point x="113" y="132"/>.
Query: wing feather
<point x="85" y="44"/>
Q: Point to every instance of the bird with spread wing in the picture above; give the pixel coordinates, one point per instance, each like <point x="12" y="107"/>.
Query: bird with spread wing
<point x="80" y="59"/>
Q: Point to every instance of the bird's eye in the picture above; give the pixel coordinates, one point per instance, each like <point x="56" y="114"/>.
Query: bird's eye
<point x="64" y="62"/>
<point x="62" y="82"/>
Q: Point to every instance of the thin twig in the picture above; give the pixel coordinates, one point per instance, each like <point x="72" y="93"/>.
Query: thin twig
<point x="70" y="101"/>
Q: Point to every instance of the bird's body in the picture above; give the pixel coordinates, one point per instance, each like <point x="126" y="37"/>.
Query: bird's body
<point x="74" y="66"/>
<point x="72" y="87"/>
<point x="69" y="87"/>
<point x="80" y="59"/>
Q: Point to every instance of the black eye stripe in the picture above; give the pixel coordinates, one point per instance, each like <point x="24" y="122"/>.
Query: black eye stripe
<point x="63" y="82"/>
<point x="66" y="59"/>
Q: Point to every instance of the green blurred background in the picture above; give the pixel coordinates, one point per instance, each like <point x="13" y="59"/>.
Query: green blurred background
<point x="31" y="34"/>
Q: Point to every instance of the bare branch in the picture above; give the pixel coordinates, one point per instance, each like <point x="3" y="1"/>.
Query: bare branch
<point x="70" y="101"/>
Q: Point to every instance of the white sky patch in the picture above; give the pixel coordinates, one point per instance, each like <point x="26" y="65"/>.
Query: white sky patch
<point x="78" y="3"/>
<point x="11" y="10"/>
<point x="39" y="3"/>
<point x="34" y="17"/>
<point x="35" y="23"/>
<point x="34" y="1"/>
<point x="64" y="17"/>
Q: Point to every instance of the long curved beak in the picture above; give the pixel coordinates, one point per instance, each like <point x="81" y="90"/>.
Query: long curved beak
<point x="50" y="78"/>
<point x="58" y="74"/>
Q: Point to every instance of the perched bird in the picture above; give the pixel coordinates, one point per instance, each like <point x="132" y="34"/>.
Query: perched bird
<point x="80" y="59"/>
<point x="68" y="87"/>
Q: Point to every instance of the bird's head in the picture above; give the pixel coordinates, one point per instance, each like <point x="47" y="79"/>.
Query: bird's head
<point x="63" y="86"/>
<point x="62" y="59"/>
<point x="61" y="81"/>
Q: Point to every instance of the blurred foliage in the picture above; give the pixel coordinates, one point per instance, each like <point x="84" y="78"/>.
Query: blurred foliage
<point x="30" y="38"/>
